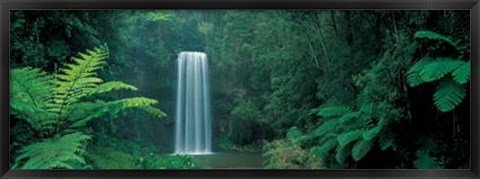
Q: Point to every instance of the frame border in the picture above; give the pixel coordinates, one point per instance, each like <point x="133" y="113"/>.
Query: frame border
<point x="472" y="5"/>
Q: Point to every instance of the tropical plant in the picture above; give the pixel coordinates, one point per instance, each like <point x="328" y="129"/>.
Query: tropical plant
<point x="451" y="72"/>
<point x="57" y="108"/>
<point x="347" y="132"/>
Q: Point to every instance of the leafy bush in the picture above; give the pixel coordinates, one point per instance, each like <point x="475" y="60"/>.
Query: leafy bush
<point x="286" y="154"/>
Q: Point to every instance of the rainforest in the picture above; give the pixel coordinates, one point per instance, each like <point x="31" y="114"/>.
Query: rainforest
<point x="239" y="89"/>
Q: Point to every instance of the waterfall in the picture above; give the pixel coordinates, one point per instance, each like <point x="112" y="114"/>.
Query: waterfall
<point x="193" y="128"/>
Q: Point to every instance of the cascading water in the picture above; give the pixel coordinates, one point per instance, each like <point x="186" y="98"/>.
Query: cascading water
<point x="193" y="132"/>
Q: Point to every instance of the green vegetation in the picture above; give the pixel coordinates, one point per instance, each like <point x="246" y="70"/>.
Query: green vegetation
<point x="306" y="89"/>
<point x="58" y="108"/>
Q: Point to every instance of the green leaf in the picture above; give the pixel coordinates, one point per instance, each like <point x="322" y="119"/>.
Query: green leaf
<point x="346" y="138"/>
<point x="78" y="79"/>
<point x="326" y="127"/>
<point x="342" y="153"/>
<point x="63" y="152"/>
<point x="448" y="95"/>
<point x="435" y="36"/>
<point x="349" y="117"/>
<point x="372" y="133"/>
<point x="111" y="86"/>
<point x="461" y="75"/>
<point x="413" y="74"/>
<point x="360" y="149"/>
<point x="334" y="111"/>
<point x="326" y="146"/>
<point x="439" y="68"/>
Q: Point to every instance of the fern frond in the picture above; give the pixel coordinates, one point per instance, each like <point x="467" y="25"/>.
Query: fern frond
<point x="361" y="148"/>
<point x="111" y="86"/>
<point x="30" y="85"/>
<point x="435" y="36"/>
<point x="348" y="137"/>
<point x="367" y="108"/>
<point x="134" y="102"/>
<point x="63" y="152"/>
<point x="326" y="127"/>
<point x="413" y="74"/>
<point x="461" y="75"/>
<point x="387" y="142"/>
<point x="154" y="111"/>
<point x="439" y="68"/>
<point x="78" y="79"/>
<point x="86" y="111"/>
<point x="30" y="94"/>
<point x="326" y="147"/>
<point x="349" y="117"/>
<point x="448" y="96"/>
<point x="342" y="153"/>
<point x="142" y="103"/>
<point x="372" y="133"/>
<point x="334" y="111"/>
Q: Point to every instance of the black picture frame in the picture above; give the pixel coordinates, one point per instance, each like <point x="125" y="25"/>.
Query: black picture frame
<point x="7" y="5"/>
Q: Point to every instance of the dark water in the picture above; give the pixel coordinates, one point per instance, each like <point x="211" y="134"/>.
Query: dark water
<point x="230" y="160"/>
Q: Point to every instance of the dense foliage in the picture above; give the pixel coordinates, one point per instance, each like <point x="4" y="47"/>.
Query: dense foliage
<point x="306" y="89"/>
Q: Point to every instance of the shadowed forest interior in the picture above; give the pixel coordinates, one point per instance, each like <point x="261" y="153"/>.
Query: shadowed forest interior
<point x="272" y="89"/>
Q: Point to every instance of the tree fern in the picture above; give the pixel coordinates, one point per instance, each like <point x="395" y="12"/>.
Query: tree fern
<point x="57" y="106"/>
<point x="60" y="152"/>
<point x="448" y="95"/>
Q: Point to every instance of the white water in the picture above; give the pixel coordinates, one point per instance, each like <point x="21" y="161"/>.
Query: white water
<point x="193" y="132"/>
